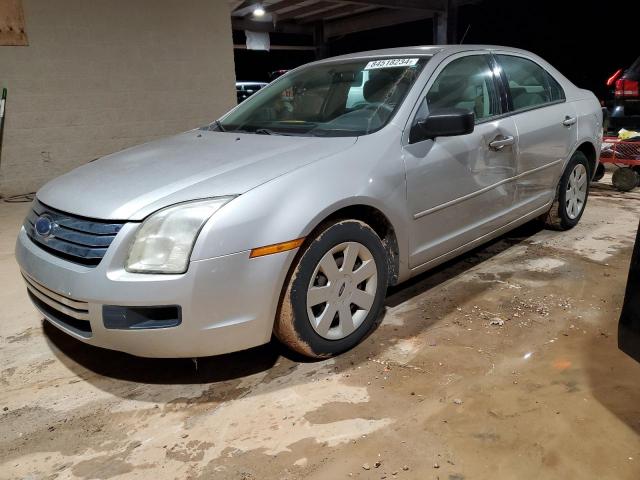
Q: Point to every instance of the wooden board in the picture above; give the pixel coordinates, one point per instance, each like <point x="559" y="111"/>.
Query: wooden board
<point x="12" y="26"/>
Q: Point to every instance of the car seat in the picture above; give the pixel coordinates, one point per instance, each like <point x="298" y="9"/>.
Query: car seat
<point x="384" y="87"/>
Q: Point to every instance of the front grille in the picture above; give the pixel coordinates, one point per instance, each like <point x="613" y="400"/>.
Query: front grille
<point x="70" y="313"/>
<point x="77" y="239"/>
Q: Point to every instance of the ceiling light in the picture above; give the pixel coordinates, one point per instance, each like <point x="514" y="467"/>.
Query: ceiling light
<point x="258" y="10"/>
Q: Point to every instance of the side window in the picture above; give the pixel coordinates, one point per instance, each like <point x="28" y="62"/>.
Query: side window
<point x="530" y="85"/>
<point x="466" y="82"/>
<point x="555" y="90"/>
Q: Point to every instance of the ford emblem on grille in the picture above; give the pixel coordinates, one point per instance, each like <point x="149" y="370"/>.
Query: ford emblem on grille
<point x="44" y="226"/>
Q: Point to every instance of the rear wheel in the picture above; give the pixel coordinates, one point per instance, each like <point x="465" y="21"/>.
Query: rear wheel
<point x="335" y="291"/>
<point x="571" y="196"/>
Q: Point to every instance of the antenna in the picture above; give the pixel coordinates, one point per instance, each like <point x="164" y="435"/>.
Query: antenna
<point x="465" y="33"/>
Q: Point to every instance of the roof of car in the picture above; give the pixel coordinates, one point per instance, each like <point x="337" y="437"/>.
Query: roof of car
<point x="422" y="50"/>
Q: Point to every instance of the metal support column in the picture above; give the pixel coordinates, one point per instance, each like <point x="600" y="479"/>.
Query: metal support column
<point x="319" y="41"/>
<point x="440" y="28"/>
<point x="445" y="25"/>
<point x="452" y="22"/>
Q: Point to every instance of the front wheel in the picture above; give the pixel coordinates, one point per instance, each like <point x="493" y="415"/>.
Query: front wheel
<point x="335" y="291"/>
<point x="571" y="196"/>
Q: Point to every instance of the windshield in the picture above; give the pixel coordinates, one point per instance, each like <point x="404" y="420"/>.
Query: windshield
<point x="334" y="99"/>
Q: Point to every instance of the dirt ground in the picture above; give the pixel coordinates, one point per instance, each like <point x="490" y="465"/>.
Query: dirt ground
<point x="500" y="365"/>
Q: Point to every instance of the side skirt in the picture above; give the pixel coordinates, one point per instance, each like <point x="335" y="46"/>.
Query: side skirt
<point x="478" y="241"/>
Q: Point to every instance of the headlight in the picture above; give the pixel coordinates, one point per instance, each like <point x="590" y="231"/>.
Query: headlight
<point x="164" y="242"/>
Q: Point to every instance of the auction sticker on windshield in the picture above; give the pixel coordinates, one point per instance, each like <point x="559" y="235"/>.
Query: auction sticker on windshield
<point x="391" y="63"/>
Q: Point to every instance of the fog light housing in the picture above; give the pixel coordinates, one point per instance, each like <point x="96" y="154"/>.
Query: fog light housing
<point x="140" y="318"/>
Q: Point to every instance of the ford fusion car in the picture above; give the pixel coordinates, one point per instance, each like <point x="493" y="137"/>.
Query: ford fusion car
<point x="293" y="213"/>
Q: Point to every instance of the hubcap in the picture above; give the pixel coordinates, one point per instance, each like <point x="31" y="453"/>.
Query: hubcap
<point x="576" y="191"/>
<point x="341" y="291"/>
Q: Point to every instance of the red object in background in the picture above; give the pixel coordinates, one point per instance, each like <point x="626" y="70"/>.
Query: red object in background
<point x="620" y="152"/>
<point x="614" y="77"/>
<point x="626" y="88"/>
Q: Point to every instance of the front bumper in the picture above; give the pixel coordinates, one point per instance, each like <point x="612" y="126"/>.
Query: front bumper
<point x="227" y="303"/>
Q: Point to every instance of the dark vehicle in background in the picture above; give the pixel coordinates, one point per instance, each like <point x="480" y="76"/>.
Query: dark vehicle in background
<point x="623" y="104"/>
<point x="245" y="89"/>
<point x="629" y="325"/>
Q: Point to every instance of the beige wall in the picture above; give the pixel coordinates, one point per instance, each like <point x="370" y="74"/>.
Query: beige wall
<point x="101" y="75"/>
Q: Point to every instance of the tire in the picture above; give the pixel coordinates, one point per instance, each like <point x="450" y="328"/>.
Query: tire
<point x="624" y="179"/>
<point x="570" y="202"/>
<point x="599" y="173"/>
<point x="321" y="283"/>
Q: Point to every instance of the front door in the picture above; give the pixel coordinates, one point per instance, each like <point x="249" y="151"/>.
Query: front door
<point x="460" y="188"/>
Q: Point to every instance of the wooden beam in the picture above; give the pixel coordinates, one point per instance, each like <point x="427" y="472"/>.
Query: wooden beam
<point x="307" y="9"/>
<point x="336" y="11"/>
<point x="272" y="8"/>
<point x="282" y="4"/>
<point x="245" y="4"/>
<point x="430" y="5"/>
<point x="12" y="26"/>
<point x="369" y="21"/>
<point x="279" y="27"/>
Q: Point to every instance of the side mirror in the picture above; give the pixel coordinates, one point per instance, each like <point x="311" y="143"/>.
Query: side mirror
<point x="446" y="122"/>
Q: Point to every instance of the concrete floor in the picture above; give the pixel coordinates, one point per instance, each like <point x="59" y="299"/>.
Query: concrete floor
<point x="437" y="392"/>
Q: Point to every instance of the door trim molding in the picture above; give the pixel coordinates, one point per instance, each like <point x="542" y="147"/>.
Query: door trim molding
<point x="424" y="266"/>
<point x="468" y="196"/>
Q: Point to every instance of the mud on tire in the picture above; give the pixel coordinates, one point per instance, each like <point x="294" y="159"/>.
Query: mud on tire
<point x="296" y="325"/>
<point x="558" y="217"/>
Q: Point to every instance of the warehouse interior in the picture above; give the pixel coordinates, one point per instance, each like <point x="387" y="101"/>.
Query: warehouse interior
<point x="517" y="358"/>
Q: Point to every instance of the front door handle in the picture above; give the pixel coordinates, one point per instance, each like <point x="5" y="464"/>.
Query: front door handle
<point x="500" y="142"/>
<point x="568" y="121"/>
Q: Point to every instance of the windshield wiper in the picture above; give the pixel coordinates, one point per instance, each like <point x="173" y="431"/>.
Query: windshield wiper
<point x="219" y="126"/>
<point x="266" y="131"/>
<point x="334" y="132"/>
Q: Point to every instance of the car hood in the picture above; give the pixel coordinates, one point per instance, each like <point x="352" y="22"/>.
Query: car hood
<point x="131" y="184"/>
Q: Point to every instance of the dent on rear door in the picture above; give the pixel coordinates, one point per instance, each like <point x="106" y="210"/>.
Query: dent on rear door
<point x="544" y="143"/>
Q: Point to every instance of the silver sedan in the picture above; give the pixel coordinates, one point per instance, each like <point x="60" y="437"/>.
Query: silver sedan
<point x="293" y="213"/>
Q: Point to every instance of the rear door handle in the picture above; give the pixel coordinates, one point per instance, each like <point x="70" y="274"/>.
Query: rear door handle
<point x="500" y="142"/>
<point x="568" y="121"/>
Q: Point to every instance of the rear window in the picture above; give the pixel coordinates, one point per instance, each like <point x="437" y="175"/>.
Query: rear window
<point x="530" y="85"/>
<point x="634" y="69"/>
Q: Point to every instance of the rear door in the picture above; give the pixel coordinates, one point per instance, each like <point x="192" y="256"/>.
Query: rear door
<point x="547" y="129"/>
<point x="460" y="188"/>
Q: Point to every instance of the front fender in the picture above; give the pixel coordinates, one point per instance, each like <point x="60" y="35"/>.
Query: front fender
<point x="371" y="173"/>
